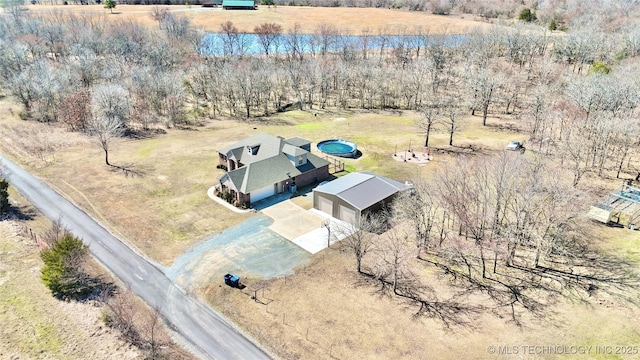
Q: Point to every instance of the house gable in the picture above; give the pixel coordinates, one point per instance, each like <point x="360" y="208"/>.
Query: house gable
<point x="263" y="160"/>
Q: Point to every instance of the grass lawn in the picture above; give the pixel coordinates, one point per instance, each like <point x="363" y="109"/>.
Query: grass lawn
<point x="324" y="310"/>
<point x="160" y="204"/>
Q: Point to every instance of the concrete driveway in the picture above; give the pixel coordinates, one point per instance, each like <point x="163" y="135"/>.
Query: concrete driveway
<point x="290" y="220"/>
<point x="305" y="227"/>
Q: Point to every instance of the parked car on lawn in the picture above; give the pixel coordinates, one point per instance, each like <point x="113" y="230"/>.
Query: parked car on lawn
<point x="515" y="146"/>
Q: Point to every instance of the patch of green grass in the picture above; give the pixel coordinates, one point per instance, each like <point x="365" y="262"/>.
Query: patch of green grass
<point x="177" y="235"/>
<point x="48" y="337"/>
<point x="620" y="242"/>
<point x="350" y="168"/>
<point x="311" y="126"/>
<point x="160" y="192"/>
<point x="149" y="148"/>
<point x="25" y="310"/>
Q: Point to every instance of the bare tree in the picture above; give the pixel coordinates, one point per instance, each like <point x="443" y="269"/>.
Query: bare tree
<point x="430" y="116"/>
<point x="111" y="108"/>
<point x="295" y="43"/>
<point x="488" y="84"/>
<point x="177" y="27"/>
<point x="325" y="38"/>
<point x="359" y="237"/>
<point x="394" y="253"/>
<point x="452" y="113"/>
<point x="230" y="39"/>
<point x="121" y="315"/>
<point x="75" y="110"/>
<point x="158" y="13"/>
<point x="269" y="35"/>
<point x="419" y="208"/>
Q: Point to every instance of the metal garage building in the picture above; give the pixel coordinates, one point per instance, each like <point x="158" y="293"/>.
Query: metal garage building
<point x="348" y="197"/>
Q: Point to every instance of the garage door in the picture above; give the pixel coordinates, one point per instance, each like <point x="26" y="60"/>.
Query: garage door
<point x="347" y="214"/>
<point x="260" y="194"/>
<point x="325" y="205"/>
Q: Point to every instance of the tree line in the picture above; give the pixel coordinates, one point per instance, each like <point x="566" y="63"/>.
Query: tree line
<point x="108" y="78"/>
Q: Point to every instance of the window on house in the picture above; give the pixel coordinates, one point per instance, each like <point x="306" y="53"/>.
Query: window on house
<point x="253" y="149"/>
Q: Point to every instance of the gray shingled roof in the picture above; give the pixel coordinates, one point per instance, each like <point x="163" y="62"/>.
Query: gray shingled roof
<point x="269" y="146"/>
<point x="269" y="166"/>
<point x="293" y="150"/>
<point x="298" y="141"/>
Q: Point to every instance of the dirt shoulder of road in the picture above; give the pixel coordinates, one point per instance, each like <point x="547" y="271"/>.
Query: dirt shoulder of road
<point x="34" y="323"/>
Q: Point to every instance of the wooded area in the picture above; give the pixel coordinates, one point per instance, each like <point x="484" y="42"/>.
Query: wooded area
<point x="571" y="89"/>
<point x="574" y="91"/>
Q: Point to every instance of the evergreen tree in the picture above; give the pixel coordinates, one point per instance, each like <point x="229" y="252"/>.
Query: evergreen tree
<point x="4" y="196"/>
<point x="527" y="15"/>
<point x="110" y="4"/>
<point x="62" y="272"/>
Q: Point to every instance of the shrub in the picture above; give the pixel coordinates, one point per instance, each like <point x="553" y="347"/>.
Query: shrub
<point x="221" y="166"/>
<point x="553" y="25"/>
<point x="527" y="15"/>
<point x="62" y="272"/>
<point x="599" y="67"/>
<point x="106" y="317"/>
<point x="4" y="196"/>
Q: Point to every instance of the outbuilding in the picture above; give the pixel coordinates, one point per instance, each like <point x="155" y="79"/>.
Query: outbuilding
<point x="349" y="197"/>
<point x="238" y="5"/>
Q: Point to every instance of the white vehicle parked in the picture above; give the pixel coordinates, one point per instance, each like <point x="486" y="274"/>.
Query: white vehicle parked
<point x="515" y="146"/>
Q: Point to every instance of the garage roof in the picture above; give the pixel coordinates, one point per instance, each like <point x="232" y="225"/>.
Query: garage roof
<point x="362" y="189"/>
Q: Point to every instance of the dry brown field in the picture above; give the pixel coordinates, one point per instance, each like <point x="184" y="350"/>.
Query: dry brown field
<point x="324" y="310"/>
<point x="351" y="20"/>
<point x="327" y="311"/>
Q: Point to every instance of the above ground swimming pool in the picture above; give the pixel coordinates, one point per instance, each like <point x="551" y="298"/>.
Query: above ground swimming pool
<point x="337" y="147"/>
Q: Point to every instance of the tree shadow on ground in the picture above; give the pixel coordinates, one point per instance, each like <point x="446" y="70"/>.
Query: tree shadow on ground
<point x="454" y="150"/>
<point x="129" y="170"/>
<point x="141" y="134"/>
<point x="504" y="127"/>
<point x="583" y="276"/>
<point x="424" y="302"/>
<point x="507" y="294"/>
<point x="517" y="289"/>
<point x="20" y="212"/>
<point x="268" y="121"/>
<point x="89" y="288"/>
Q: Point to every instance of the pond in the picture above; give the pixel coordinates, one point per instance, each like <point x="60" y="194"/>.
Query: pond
<point x="249" y="44"/>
